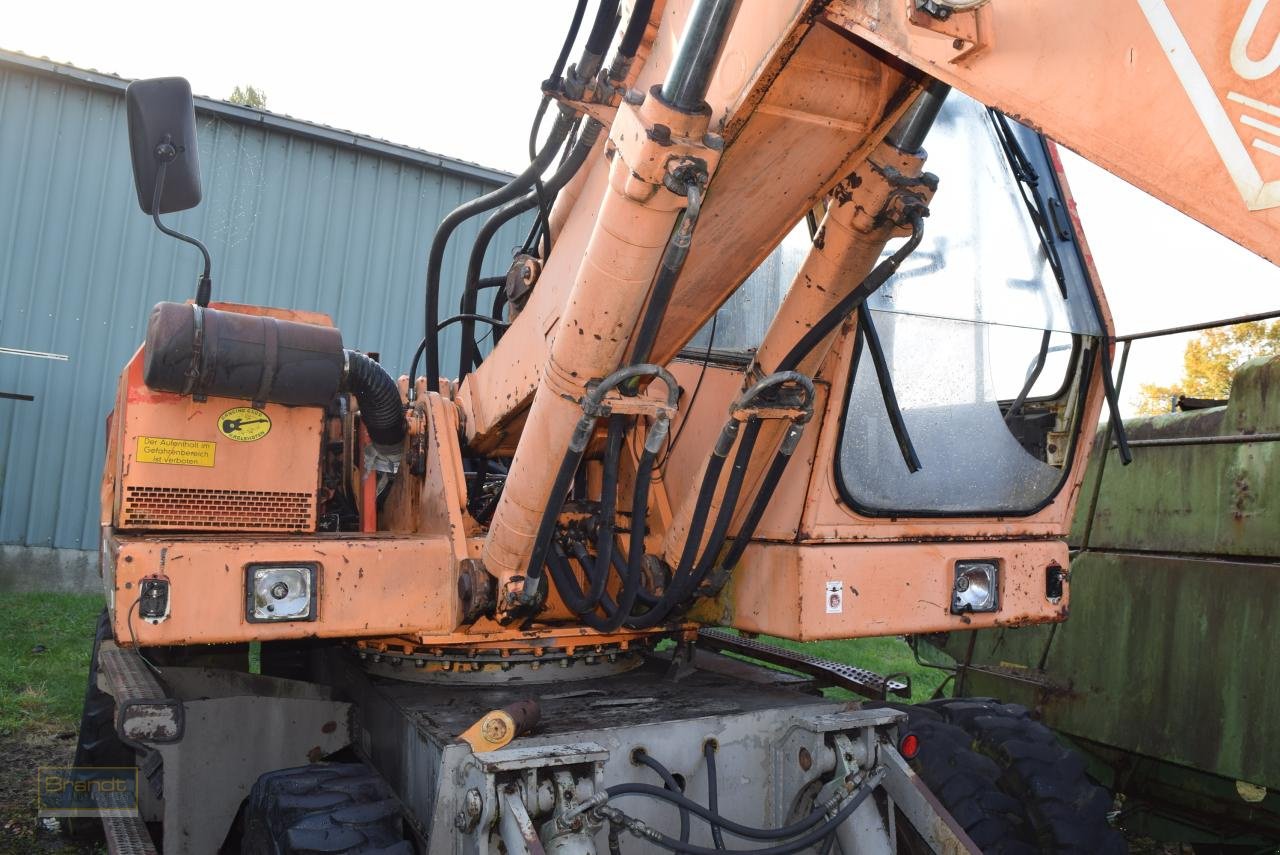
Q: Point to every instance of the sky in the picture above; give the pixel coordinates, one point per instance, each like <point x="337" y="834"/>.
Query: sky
<point x="461" y="79"/>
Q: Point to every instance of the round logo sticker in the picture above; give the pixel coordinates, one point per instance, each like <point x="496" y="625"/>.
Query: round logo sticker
<point x="244" y="424"/>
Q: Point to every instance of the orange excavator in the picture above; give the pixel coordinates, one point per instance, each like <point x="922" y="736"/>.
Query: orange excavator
<point x="510" y="601"/>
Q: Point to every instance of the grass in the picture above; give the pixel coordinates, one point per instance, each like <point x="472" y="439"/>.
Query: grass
<point x="45" y="644"/>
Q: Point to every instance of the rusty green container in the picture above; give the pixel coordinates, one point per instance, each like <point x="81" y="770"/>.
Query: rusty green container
<point x="1167" y="673"/>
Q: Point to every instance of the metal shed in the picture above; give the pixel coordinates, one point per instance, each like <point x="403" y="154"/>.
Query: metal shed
<point x="295" y="214"/>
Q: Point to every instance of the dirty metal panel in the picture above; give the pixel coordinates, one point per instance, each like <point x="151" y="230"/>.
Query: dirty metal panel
<point x="1207" y="498"/>
<point x="1171" y="657"/>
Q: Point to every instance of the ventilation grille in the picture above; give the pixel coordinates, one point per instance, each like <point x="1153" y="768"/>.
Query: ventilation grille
<point x="237" y="510"/>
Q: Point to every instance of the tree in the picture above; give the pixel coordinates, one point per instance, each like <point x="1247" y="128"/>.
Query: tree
<point x="1210" y="361"/>
<point x="249" y="96"/>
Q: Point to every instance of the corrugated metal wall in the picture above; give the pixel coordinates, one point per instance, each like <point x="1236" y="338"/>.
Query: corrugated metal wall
<point x="294" y="215"/>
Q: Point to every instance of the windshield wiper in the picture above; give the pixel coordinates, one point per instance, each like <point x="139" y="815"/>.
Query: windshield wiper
<point x="1039" y="209"/>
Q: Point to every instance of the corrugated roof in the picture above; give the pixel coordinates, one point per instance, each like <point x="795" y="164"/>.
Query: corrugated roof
<point x="268" y="119"/>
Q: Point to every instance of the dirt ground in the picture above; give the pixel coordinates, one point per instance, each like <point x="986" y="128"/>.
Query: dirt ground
<point x="21" y="833"/>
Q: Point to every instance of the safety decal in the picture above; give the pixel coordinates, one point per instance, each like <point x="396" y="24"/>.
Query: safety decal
<point x="175" y="452"/>
<point x="244" y="424"/>
<point x="835" y="598"/>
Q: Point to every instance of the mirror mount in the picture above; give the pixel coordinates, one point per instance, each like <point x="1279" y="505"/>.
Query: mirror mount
<point x="166" y="160"/>
<point x="165" y="154"/>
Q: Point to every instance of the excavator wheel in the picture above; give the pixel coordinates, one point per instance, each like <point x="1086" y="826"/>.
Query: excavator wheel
<point x="1066" y="810"/>
<point x="98" y="745"/>
<point x="325" y="807"/>
<point x="967" y="784"/>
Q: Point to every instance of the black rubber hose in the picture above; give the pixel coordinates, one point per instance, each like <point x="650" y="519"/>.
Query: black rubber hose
<point x="602" y="28"/>
<point x="670" y="781"/>
<point x="381" y="409"/>
<point x="770" y="482"/>
<point x="608" y="508"/>
<point x="804" y="826"/>
<point x="566" y="583"/>
<point x="713" y="791"/>
<point x="871" y="340"/>
<point x="674" y="592"/>
<point x="664" y="283"/>
<point x="499" y="218"/>
<point x="435" y="259"/>
<point x="855" y="298"/>
<point x="621" y="564"/>
<point x="728" y="506"/>
<point x="542" y="541"/>
<point x="567" y="46"/>
<point x="635" y="551"/>
<point x="636" y="26"/>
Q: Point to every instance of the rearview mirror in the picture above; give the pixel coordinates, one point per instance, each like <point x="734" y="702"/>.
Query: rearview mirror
<point x="162" y="141"/>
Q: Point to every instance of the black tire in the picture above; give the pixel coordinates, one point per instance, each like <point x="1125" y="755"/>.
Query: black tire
<point x="98" y="744"/>
<point x="967" y="784"/>
<point x="325" y="807"/>
<point x="1067" y="811"/>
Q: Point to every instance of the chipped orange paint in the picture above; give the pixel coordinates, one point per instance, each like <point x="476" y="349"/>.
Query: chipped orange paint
<point x="366" y="586"/>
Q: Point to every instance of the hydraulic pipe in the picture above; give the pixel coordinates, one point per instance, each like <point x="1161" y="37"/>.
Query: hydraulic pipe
<point x="699" y="53"/>
<point x="614" y="280"/>
<point x="851" y="238"/>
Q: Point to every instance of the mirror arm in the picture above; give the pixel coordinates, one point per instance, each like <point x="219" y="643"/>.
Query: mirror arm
<point x="204" y="290"/>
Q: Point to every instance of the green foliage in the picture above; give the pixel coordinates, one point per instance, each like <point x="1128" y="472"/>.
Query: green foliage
<point x="45" y="644"/>
<point x="249" y="96"/>
<point x="1210" y="361"/>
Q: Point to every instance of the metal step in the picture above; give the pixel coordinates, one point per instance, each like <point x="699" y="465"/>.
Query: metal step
<point x="860" y="681"/>
<point x="127" y="835"/>
<point x="146" y="713"/>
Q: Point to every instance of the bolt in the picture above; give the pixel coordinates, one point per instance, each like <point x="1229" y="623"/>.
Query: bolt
<point x="634" y="97"/>
<point x="660" y="133"/>
<point x="806" y="759"/>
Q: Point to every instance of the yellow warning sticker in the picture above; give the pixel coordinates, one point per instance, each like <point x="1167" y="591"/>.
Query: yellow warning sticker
<point x="244" y="424"/>
<point x="175" y="452"/>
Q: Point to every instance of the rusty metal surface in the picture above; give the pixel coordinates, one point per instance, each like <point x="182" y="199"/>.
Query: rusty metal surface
<point x="860" y="681"/>
<point x="1166" y="656"/>
<point x="1212" y="497"/>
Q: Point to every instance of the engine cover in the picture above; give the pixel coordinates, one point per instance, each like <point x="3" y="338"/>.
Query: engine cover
<point x="217" y="465"/>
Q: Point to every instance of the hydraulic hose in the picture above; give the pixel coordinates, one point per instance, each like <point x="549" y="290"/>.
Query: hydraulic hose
<point x="636" y="25"/>
<point x="591" y="405"/>
<point x="670" y="781"/>
<point x="713" y="790"/>
<point x="664" y="283"/>
<point x="464" y="212"/>
<point x="689" y="574"/>
<point x="802" y="834"/>
<point x="819" y="331"/>
<point x="509" y="211"/>
<point x="855" y="298"/>
<point x="602" y="28"/>
<point x="381" y="409"/>
<point x="608" y="508"/>
<point x="630" y="43"/>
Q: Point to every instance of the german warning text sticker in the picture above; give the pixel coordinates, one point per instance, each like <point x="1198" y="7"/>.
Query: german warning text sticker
<point x="244" y="424"/>
<point x="175" y="452"/>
